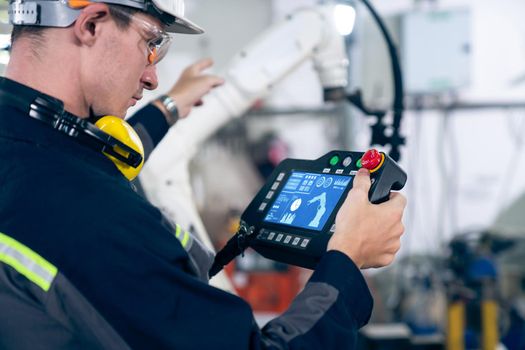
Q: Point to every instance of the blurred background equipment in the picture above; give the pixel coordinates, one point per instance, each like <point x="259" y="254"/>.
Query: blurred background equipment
<point x="473" y="310"/>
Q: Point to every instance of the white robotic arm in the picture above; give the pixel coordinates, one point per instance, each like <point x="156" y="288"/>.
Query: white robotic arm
<point x="309" y="33"/>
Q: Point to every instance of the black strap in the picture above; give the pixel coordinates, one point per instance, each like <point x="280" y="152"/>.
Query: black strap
<point x="235" y="247"/>
<point x="50" y="111"/>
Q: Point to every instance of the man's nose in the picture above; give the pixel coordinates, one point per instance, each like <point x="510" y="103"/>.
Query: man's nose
<point x="149" y="77"/>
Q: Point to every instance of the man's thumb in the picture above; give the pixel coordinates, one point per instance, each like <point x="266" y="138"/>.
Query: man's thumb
<point x="362" y="180"/>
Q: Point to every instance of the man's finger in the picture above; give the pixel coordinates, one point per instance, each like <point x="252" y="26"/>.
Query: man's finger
<point x="362" y="180"/>
<point x="215" y="81"/>
<point x="201" y="65"/>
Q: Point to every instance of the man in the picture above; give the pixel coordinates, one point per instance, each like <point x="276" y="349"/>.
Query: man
<point x="85" y="262"/>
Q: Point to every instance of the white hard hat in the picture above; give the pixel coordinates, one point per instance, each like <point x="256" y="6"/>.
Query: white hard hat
<point x="62" y="13"/>
<point x="176" y="9"/>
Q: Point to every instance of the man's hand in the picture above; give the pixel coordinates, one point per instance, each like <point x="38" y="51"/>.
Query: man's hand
<point x="193" y="85"/>
<point x="368" y="233"/>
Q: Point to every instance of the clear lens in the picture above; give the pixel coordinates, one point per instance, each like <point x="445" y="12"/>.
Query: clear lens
<point x="159" y="45"/>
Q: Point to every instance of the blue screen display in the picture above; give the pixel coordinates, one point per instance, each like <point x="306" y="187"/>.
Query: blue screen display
<point x="307" y="200"/>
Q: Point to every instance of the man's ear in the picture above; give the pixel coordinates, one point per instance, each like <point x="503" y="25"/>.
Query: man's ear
<point x="88" y="24"/>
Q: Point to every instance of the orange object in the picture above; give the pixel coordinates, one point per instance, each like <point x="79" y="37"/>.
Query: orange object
<point x="152" y="56"/>
<point x="267" y="291"/>
<point x="77" y="4"/>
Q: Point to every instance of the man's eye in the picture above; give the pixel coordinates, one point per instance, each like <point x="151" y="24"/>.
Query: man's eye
<point x="156" y="42"/>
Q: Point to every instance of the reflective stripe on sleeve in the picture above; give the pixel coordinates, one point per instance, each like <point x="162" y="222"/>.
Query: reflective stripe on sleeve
<point x="27" y="262"/>
<point x="183" y="236"/>
<point x="184" y="241"/>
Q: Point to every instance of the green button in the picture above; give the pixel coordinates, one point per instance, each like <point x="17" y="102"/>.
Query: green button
<point x="359" y="165"/>
<point x="334" y="160"/>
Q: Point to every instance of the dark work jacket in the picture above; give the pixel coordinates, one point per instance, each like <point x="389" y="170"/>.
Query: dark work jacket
<point x="70" y="205"/>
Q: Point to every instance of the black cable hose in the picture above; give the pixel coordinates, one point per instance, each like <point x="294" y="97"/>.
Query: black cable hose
<point x="398" y="107"/>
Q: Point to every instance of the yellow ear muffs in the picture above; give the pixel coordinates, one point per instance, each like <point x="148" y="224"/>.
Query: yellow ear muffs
<point x="123" y="132"/>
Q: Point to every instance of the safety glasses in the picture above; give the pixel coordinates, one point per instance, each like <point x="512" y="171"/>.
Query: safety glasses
<point x="157" y="40"/>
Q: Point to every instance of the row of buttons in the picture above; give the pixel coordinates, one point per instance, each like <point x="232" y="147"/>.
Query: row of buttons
<point x="270" y="193"/>
<point x="283" y="238"/>
<point x="335" y="160"/>
<point x="351" y="173"/>
<point x="339" y="171"/>
<point x="372" y="160"/>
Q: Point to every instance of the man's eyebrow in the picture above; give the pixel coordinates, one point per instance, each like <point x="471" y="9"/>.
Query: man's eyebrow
<point x="152" y="31"/>
<point x="151" y="35"/>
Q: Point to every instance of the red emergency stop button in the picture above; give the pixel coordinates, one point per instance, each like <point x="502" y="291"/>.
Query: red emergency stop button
<point x="372" y="160"/>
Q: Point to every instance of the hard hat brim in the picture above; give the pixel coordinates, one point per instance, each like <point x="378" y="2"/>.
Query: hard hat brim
<point x="183" y="26"/>
<point x="180" y="24"/>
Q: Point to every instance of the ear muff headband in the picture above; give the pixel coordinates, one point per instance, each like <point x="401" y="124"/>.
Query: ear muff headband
<point x="119" y="142"/>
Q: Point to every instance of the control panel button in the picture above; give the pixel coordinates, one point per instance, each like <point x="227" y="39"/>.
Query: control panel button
<point x="334" y="160"/>
<point x="305" y="242"/>
<point x="347" y="161"/>
<point x="271" y="235"/>
<point x="372" y="159"/>
<point x="280" y="176"/>
<point x="279" y="237"/>
<point x="339" y="171"/>
<point x="270" y="194"/>
<point x="287" y="239"/>
<point x="332" y="229"/>
<point x="326" y="170"/>
<point x="275" y="185"/>
<point x="296" y="241"/>
<point x="262" y="206"/>
<point x="353" y="172"/>
<point x="262" y="234"/>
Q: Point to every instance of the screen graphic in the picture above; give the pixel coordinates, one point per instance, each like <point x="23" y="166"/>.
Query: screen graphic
<point x="307" y="200"/>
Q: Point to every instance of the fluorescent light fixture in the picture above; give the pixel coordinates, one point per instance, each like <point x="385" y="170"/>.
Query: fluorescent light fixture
<point x="4" y="58"/>
<point x="344" y="17"/>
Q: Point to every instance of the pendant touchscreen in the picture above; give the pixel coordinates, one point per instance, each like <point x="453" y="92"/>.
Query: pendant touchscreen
<point x="307" y="200"/>
<point x="291" y="219"/>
